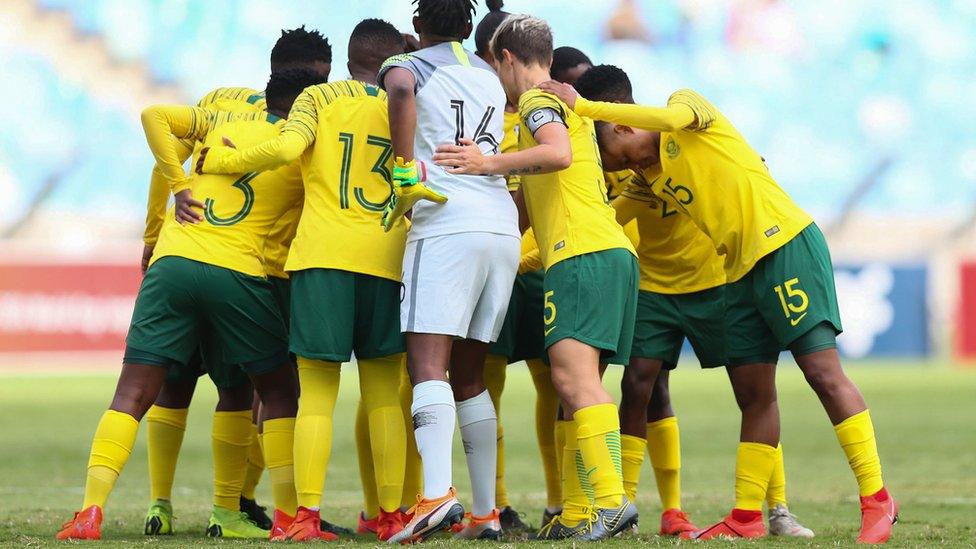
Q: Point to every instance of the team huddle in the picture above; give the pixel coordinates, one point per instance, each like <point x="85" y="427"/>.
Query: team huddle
<point x="440" y="215"/>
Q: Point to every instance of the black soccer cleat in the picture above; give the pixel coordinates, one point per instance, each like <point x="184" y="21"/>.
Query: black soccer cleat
<point x="511" y="520"/>
<point x="256" y="513"/>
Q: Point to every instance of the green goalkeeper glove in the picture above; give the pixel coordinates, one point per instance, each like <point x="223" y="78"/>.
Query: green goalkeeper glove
<point x="408" y="189"/>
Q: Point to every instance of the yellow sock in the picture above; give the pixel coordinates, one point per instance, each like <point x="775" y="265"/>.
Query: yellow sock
<point x="664" y="448"/>
<point x="494" y="375"/>
<point x="364" y="454"/>
<point x="279" y="444"/>
<point x="413" y="479"/>
<point x="560" y="436"/>
<point x="776" y="492"/>
<point x="598" y="432"/>
<point x="255" y="464"/>
<point x="165" y="428"/>
<point x="230" y="440"/>
<point x="577" y="497"/>
<point x="856" y="437"/>
<point x="546" y="411"/>
<point x="113" y="441"/>
<point x="319" y="381"/>
<point x="379" y="386"/>
<point x="632" y="459"/>
<point x="754" y="464"/>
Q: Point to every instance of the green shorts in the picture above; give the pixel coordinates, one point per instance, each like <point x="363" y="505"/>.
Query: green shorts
<point x="522" y="336"/>
<point x="785" y="295"/>
<point x="281" y="288"/>
<point x="207" y="361"/>
<point x="183" y="304"/>
<point x="592" y="298"/>
<point x="665" y="320"/>
<point x="336" y="313"/>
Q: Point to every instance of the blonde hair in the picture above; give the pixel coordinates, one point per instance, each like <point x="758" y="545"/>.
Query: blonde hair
<point x="528" y="38"/>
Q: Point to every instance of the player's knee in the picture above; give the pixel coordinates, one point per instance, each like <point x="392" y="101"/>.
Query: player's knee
<point x="134" y="401"/>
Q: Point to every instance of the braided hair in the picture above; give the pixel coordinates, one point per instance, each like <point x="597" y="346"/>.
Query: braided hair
<point x="449" y="18"/>
<point x="486" y="28"/>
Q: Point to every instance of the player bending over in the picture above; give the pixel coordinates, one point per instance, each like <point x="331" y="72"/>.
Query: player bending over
<point x="460" y="261"/>
<point x="590" y="286"/>
<point x="206" y="280"/>
<point x="780" y="287"/>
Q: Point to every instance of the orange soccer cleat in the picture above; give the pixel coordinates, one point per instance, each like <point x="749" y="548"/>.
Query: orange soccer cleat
<point x="365" y="525"/>
<point x="86" y="524"/>
<point x="307" y="526"/>
<point x="674" y="522"/>
<point x="282" y="521"/>
<point x="430" y="516"/>
<point x="739" y="524"/>
<point x="879" y="513"/>
<point x="388" y="524"/>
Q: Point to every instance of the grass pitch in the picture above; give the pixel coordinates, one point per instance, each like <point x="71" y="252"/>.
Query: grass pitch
<point x="924" y="416"/>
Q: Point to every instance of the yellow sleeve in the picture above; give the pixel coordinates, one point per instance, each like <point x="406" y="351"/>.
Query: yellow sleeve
<point x="159" y="198"/>
<point x="627" y="208"/>
<point x="164" y="126"/>
<point x="530" y="261"/>
<point x="296" y="135"/>
<point x="705" y="112"/>
<point x="675" y="116"/>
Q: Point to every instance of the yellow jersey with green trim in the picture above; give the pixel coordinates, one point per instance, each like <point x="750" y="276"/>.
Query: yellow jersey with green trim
<point x="675" y="256"/>
<point x="510" y="143"/>
<point x="240" y="210"/>
<point x="714" y="176"/>
<point x="568" y="209"/>
<point x="347" y="167"/>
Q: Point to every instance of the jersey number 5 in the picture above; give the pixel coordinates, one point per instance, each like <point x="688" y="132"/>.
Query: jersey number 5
<point x="380" y="166"/>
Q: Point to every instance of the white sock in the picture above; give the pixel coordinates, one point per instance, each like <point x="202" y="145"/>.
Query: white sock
<point x="479" y="425"/>
<point x="433" y="426"/>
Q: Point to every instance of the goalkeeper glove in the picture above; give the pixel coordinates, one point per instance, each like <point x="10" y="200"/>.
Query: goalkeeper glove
<point x="408" y="189"/>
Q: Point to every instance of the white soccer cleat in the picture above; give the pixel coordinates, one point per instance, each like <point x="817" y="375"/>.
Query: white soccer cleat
<point x="784" y="523"/>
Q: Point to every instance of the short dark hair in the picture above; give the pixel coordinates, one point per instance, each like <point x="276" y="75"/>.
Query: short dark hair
<point x="374" y="40"/>
<point x="605" y="83"/>
<point x="284" y="86"/>
<point x="488" y="24"/>
<point x="445" y="17"/>
<point x="298" y="46"/>
<point x="528" y="38"/>
<point x="565" y="58"/>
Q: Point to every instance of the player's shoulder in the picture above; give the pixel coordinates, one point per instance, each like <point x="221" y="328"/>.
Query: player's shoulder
<point x="535" y="99"/>
<point x="329" y="92"/>
<point x="705" y="111"/>
<point x="246" y="95"/>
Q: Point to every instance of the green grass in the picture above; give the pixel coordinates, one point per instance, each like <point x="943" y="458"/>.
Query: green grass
<point x="923" y="415"/>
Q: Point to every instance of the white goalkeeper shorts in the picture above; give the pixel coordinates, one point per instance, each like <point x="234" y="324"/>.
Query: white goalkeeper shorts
<point x="458" y="284"/>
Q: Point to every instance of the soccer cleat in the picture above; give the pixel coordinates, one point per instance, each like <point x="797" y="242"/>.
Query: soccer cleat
<point x="282" y="521"/>
<point x="784" y="523"/>
<point x="159" y="518"/>
<point x="256" y="513"/>
<point x="429" y="517"/>
<point x="512" y="520"/>
<point x="607" y="523"/>
<point x="388" y="524"/>
<point x="327" y="526"/>
<point x="486" y="527"/>
<point x="86" y="524"/>
<point x="365" y="525"/>
<point x="225" y="523"/>
<point x="674" y="522"/>
<point x="307" y="526"/>
<point x="879" y="513"/>
<point x="548" y="515"/>
<point x="555" y="530"/>
<point x="731" y="529"/>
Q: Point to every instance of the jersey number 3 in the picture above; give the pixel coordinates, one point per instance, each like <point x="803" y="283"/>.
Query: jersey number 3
<point x="244" y="184"/>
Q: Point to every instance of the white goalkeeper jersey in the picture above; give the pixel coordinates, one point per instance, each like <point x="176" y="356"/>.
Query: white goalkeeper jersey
<point x="458" y="95"/>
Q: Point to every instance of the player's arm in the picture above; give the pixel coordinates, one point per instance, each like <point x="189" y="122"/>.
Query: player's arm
<point x="677" y="115"/>
<point x="296" y="135"/>
<point x="637" y="194"/>
<point x="627" y="208"/>
<point x="553" y="152"/>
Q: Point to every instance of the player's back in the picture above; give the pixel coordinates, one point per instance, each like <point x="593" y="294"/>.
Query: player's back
<point x="458" y="95"/>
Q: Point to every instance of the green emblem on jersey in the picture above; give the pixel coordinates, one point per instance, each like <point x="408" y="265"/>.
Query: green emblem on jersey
<point x="672" y="148"/>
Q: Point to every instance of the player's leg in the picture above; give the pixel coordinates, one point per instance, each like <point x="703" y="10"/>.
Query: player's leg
<point x="165" y="427"/>
<point x="546" y="415"/>
<point x="781" y="521"/>
<point x="664" y="449"/>
<point x="413" y="476"/>
<point x="496" y="367"/>
<point x="369" y="516"/>
<point x="255" y="468"/>
<point x="162" y="333"/>
<point x="636" y="386"/>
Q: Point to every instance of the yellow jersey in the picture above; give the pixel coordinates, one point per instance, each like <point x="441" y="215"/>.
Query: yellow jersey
<point x="341" y="132"/>
<point x="239" y="210"/>
<point x="675" y="256"/>
<point x="279" y="242"/>
<point x="714" y="176"/>
<point x="510" y="143"/>
<point x="568" y="209"/>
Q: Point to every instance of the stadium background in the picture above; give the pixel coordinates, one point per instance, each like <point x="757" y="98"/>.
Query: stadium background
<point x="863" y="111"/>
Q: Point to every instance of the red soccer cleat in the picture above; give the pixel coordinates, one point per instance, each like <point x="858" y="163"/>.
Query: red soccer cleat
<point x="307" y="526"/>
<point x="86" y="524"/>
<point x="674" y="522"/>
<point x="282" y="521"/>
<point x="365" y="525"/>
<point x="879" y="513"/>
<point x="388" y="524"/>
<point x="731" y="528"/>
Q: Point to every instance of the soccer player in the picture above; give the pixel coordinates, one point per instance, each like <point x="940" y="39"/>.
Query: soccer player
<point x="568" y="64"/>
<point x="166" y="419"/>
<point x="460" y="263"/>
<point x="345" y="270"/>
<point x="590" y="285"/>
<point x="780" y="288"/>
<point x="206" y="280"/>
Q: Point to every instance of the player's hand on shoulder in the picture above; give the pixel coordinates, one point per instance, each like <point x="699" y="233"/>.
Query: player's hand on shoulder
<point x="465" y="158"/>
<point x="184" y="205"/>
<point x="210" y="158"/>
<point x="566" y="93"/>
